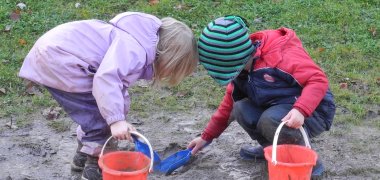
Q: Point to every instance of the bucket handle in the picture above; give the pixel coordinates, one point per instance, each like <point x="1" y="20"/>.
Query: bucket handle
<point x="274" y="151"/>
<point x="141" y="136"/>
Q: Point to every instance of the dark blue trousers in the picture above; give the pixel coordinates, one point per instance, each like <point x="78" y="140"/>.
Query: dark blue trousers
<point x="93" y="130"/>
<point x="261" y="123"/>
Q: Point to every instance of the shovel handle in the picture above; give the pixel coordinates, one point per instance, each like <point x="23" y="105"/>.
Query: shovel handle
<point x="142" y="137"/>
<point x="274" y="150"/>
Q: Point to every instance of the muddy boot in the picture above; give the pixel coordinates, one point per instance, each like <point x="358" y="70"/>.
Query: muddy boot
<point x="248" y="152"/>
<point x="79" y="159"/>
<point x="91" y="169"/>
<point x="318" y="170"/>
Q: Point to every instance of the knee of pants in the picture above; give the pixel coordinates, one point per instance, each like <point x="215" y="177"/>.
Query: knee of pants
<point x="268" y="125"/>
<point x="237" y="112"/>
<point x="246" y="114"/>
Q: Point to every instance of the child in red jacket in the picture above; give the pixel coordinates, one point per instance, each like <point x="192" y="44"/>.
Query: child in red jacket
<point x="270" y="78"/>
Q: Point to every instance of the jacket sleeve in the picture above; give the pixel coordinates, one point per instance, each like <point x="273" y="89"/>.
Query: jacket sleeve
<point x="110" y="85"/>
<point x="219" y="120"/>
<point x="310" y="76"/>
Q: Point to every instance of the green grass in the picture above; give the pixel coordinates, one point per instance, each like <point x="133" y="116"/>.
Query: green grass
<point x="341" y="36"/>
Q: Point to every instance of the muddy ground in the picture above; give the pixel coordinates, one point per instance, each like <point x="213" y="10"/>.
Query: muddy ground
<point x="39" y="152"/>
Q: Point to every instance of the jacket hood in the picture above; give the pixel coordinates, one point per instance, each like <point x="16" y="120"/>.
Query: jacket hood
<point x="273" y="42"/>
<point x="143" y="27"/>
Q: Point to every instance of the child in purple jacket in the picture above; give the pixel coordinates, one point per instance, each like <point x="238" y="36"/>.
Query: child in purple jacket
<point x="89" y="65"/>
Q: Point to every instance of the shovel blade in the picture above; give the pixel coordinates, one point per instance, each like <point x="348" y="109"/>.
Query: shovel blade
<point x="173" y="162"/>
<point x="144" y="148"/>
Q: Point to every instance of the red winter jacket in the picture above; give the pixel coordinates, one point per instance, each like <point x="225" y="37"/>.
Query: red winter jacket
<point x="281" y="51"/>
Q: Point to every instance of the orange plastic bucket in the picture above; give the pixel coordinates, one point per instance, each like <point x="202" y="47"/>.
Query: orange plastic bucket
<point x="292" y="162"/>
<point x="125" y="165"/>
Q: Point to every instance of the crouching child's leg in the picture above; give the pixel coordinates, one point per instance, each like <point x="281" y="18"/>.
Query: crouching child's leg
<point x="92" y="131"/>
<point x="314" y="126"/>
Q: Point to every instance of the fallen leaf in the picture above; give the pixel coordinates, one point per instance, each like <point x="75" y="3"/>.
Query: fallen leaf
<point x="31" y="88"/>
<point x="321" y="49"/>
<point x="178" y="7"/>
<point x="343" y="85"/>
<point x="142" y="83"/>
<point x="11" y="125"/>
<point x="216" y="3"/>
<point x="2" y="91"/>
<point x="15" y="16"/>
<point x="4" y="61"/>
<point x="22" y="42"/>
<point x="378" y="81"/>
<point x="373" y="31"/>
<point x="258" y="20"/>
<point x="181" y="94"/>
<point x="8" y="28"/>
<point x="51" y="113"/>
<point x="194" y="27"/>
<point x="136" y="122"/>
<point x="21" y="6"/>
<point x="153" y="2"/>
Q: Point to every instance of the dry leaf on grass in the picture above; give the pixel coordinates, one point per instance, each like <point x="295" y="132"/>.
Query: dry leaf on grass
<point x="2" y="91"/>
<point x="22" y="42"/>
<point x="373" y="32"/>
<point x="153" y="2"/>
<point x="15" y="15"/>
<point x="51" y="113"/>
<point x="11" y="125"/>
<point x="21" y="6"/>
<point x="8" y="28"/>
<point x="31" y="88"/>
<point x="343" y="85"/>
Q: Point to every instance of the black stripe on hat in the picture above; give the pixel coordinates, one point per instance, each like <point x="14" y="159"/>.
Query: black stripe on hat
<point x="218" y="77"/>
<point x="226" y="53"/>
<point x="207" y="62"/>
<point x="229" y="60"/>
<point x="220" y="71"/>
<point x="225" y="26"/>
<point x="225" y="40"/>
<point x="224" y="32"/>
<point x="223" y="47"/>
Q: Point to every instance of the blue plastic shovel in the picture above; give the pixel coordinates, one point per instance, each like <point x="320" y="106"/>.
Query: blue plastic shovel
<point x="144" y="148"/>
<point x="168" y="165"/>
<point x="174" y="161"/>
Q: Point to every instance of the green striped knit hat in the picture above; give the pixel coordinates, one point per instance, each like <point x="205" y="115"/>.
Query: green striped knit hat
<point x="224" y="48"/>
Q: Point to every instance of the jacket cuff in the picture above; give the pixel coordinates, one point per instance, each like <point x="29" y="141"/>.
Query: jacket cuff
<point x="301" y="111"/>
<point x="207" y="137"/>
<point x="112" y="119"/>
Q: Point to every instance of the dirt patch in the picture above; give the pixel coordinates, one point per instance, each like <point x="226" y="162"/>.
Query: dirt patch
<point x="39" y="152"/>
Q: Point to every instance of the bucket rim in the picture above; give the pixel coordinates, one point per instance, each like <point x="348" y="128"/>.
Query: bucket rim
<point x="283" y="164"/>
<point x="118" y="173"/>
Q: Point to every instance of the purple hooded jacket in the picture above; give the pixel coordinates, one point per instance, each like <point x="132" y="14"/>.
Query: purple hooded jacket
<point x="98" y="57"/>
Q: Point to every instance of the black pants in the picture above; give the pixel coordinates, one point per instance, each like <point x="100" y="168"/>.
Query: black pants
<point x="261" y="123"/>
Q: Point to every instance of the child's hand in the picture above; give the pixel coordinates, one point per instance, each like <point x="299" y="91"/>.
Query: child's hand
<point x="295" y="119"/>
<point x="197" y="144"/>
<point x="121" y="130"/>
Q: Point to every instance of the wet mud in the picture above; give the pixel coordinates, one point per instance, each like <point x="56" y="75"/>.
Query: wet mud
<point x="39" y="152"/>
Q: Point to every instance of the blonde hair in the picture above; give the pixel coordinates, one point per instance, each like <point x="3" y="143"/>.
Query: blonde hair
<point x="177" y="53"/>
